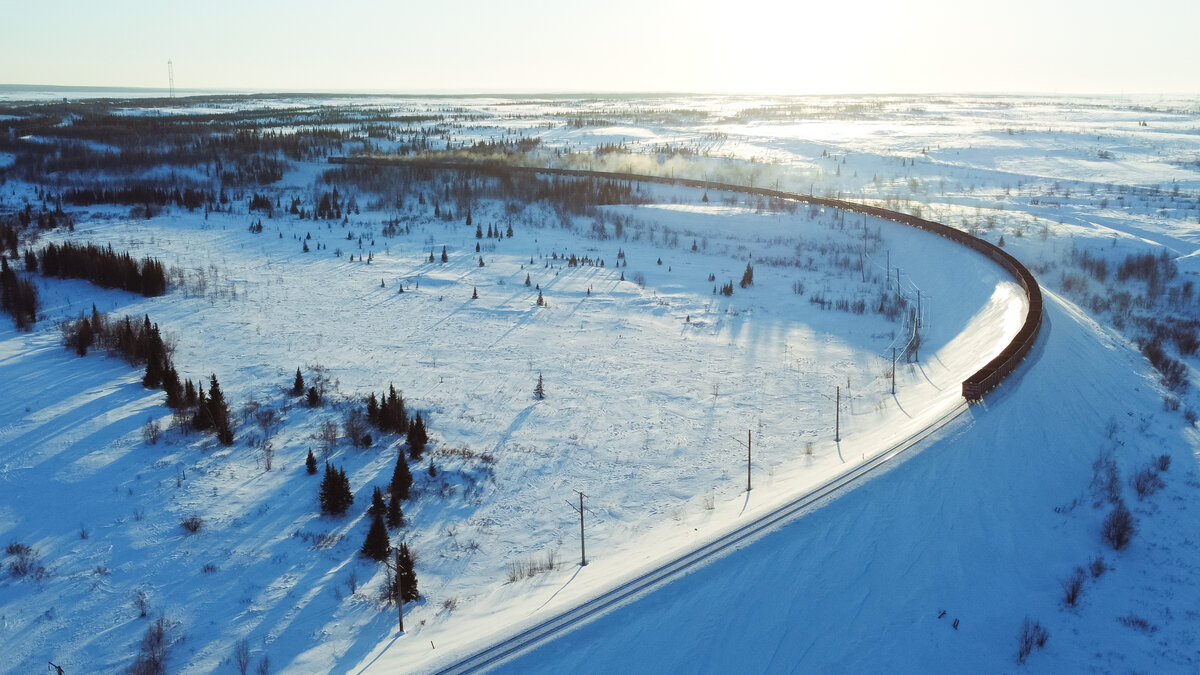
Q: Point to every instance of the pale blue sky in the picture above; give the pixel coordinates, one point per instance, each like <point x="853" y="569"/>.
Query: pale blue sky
<point x="758" y="46"/>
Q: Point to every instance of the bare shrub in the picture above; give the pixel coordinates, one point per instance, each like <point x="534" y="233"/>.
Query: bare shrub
<point x="1073" y="587"/>
<point x="352" y="581"/>
<point x="1146" y="482"/>
<point x="1032" y="634"/>
<point x="1162" y="462"/>
<point x="1097" y="567"/>
<point x="152" y="659"/>
<point x="328" y="436"/>
<point x="264" y="666"/>
<point x="141" y="602"/>
<point x="1137" y="623"/>
<point x="1118" y="527"/>
<point x="192" y="524"/>
<point x="450" y="604"/>
<point x="241" y="656"/>
<point x="1106" y="482"/>
<point x="151" y="432"/>
<point x="25" y="563"/>
<point x="527" y="569"/>
<point x="354" y="426"/>
<point x="208" y="568"/>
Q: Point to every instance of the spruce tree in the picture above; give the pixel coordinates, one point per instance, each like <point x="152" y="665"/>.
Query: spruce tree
<point x="335" y="495"/>
<point x="84" y="336"/>
<point x="395" y="515"/>
<point x="174" y="390"/>
<point x="298" y="384"/>
<point x="395" y="417"/>
<point x="314" y="397"/>
<point x="539" y="391"/>
<point x="310" y="463"/>
<point x="154" y="353"/>
<point x="445" y="258"/>
<point x="373" y="413"/>
<point x="401" y="480"/>
<point x="417" y="438"/>
<point x="189" y="394"/>
<point x="378" y="506"/>
<point x="219" y="412"/>
<point x="376" y="546"/>
<point x="406" y="576"/>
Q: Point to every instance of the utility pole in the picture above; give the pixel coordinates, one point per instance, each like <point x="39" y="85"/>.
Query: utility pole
<point x="748" y="460"/>
<point x="399" y="590"/>
<point x="582" y="550"/>
<point x="837" y="416"/>
<point x="171" y="76"/>
<point x="893" y="371"/>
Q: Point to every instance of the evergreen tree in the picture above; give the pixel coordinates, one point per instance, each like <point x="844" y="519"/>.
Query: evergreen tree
<point x="445" y="258"/>
<point x="406" y="576"/>
<point x="540" y="301"/>
<point x="189" y="394"/>
<point x="478" y="230"/>
<point x="395" y="515"/>
<point x="748" y="276"/>
<point x="335" y="495"/>
<point x="84" y="336"/>
<point x="378" y="506"/>
<point x="539" y="391"/>
<point x="376" y="546"/>
<point x="298" y="384"/>
<point x="474" y="293"/>
<point x="401" y="480"/>
<point x="396" y="417"/>
<point x="509" y="232"/>
<point x="310" y="463"/>
<point x="527" y="280"/>
<point x="417" y="438"/>
<point x="154" y="360"/>
<point x="314" y="397"/>
<point x="373" y="413"/>
<point x="171" y="385"/>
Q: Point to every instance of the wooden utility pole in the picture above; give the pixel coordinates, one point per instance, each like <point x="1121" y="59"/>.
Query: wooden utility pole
<point x="747" y="460"/>
<point x="837" y="415"/>
<point x="893" y="371"/>
<point x="399" y="589"/>
<point x="582" y="550"/>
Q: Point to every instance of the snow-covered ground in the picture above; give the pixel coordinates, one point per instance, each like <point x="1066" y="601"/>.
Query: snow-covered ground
<point x="651" y="388"/>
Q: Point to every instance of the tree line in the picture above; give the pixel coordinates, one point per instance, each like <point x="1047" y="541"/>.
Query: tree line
<point x="18" y="297"/>
<point x="101" y="266"/>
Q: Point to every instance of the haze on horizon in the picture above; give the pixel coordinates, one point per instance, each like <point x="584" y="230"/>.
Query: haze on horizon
<point x="703" y="46"/>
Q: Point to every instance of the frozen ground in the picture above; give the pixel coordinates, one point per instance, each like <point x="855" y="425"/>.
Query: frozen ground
<point x="650" y="391"/>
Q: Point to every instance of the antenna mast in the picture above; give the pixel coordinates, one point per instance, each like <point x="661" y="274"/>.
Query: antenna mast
<point x="171" y="76"/>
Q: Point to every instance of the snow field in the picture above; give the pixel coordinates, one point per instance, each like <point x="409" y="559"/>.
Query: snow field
<point x="643" y="411"/>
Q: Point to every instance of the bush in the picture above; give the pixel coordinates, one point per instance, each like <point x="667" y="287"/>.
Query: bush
<point x="1032" y="635"/>
<point x="1146" y="482"/>
<point x="192" y="524"/>
<point x="1162" y="462"/>
<point x="1118" y="528"/>
<point x="1073" y="587"/>
<point x="152" y="660"/>
<point x="1097" y="567"/>
<point x="26" y="562"/>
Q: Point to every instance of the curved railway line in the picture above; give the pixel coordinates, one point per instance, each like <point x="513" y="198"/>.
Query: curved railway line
<point x="974" y="387"/>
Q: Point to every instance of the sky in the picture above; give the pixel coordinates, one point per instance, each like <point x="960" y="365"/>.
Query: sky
<point x="522" y="46"/>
